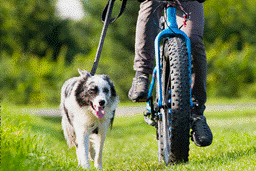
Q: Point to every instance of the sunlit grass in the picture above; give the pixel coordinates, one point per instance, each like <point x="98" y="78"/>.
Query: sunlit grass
<point x="37" y="143"/>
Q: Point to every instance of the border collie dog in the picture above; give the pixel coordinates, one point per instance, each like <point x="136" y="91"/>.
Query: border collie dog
<point x="87" y="106"/>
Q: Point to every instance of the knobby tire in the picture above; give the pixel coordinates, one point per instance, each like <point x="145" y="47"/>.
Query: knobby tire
<point x="173" y="136"/>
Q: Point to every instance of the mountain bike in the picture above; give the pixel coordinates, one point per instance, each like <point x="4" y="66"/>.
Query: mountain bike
<point x="169" y="110"/>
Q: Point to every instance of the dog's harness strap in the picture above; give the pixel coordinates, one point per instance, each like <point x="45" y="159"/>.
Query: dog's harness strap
<point x="106" y="18"/>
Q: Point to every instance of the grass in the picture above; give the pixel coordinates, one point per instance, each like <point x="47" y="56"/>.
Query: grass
<point x="221" y="100"/>
<point x="36" y="143"/>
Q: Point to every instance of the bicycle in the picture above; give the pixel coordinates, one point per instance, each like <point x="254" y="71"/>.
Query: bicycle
<point x="169" y="111"/>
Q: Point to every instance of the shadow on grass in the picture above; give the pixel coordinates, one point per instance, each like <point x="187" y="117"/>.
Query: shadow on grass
<point x="56" y="119"/>
<point x="138" y="129"/>
<point x="51" y="126"/>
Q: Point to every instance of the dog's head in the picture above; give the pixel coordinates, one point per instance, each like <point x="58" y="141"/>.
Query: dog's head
<point x="96" y="91"/>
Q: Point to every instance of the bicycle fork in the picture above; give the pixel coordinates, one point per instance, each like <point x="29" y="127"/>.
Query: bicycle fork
<point x="171" y="30"/>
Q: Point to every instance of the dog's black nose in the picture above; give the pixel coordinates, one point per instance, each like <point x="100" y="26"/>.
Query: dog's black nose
<point x="102" y="102"/>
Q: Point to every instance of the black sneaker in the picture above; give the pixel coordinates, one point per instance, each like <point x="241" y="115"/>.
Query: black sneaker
<point x="139" y="89"/>
<point x="201" y="132"/>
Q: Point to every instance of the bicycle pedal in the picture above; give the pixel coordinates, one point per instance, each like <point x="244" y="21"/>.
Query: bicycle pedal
<point x="147" y="119"/>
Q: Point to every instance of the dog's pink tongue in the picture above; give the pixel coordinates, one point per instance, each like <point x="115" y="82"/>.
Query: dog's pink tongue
<point x="100" y="112"/>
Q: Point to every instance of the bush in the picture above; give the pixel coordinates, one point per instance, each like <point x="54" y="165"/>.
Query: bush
<point x="231" y="73"/>
<point x="39" y="51"/>
<point x="29" y="79"/>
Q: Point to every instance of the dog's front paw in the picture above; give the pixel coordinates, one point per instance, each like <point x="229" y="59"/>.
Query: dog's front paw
<point x="98" y="166"/>
<point x="85" y="166"/>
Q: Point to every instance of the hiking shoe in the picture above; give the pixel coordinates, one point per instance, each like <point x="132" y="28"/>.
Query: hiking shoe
<point x="201" y="132"/>
<point x="139" y="89"/>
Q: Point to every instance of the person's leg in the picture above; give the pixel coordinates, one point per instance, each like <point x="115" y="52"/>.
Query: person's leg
<point x="194" y="30"/>
<point x="195" y="27"/>
<point x="146" y="31"/>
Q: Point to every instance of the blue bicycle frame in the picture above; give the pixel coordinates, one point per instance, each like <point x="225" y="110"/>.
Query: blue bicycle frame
<point x="172" y="30"/>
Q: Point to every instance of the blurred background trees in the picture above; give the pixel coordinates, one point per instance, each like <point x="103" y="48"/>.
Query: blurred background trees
<point x="39" y="50"/>
<point x="230" y="40"/>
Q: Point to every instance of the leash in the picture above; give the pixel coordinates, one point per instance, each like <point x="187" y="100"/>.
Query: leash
<point x="106" y="19"/>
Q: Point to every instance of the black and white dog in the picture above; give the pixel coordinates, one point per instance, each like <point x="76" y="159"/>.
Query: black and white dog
<point x="87" y="106"/>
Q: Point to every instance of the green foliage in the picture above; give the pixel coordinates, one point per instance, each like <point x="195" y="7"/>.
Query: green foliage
<point x="24" y="23"/>
<point x="39" y="51"/>
<point x="231" y="73"/>
<point x="35" y="76"/>
<point x="230" y="41"/>
<point x="29" y="79"/>
<point x="225" y="19"/>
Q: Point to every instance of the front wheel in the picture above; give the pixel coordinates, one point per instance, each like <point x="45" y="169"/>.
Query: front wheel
<point x="176" y="102"/>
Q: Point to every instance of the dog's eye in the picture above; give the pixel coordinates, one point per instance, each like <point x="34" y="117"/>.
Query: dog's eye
<point x="106" y="90"/>
<point x="93" y="90"/>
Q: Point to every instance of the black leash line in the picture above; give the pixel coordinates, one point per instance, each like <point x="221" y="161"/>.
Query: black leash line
<point x="106" y="18"/>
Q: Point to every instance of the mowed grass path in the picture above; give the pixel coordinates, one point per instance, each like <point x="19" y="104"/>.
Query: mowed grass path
<point x="37" y="143"/>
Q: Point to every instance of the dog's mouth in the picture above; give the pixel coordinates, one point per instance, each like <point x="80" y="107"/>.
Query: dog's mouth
<point x="99" y="110"/>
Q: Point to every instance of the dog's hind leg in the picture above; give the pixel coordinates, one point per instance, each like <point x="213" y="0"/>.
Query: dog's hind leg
<point x="68" y="131"/>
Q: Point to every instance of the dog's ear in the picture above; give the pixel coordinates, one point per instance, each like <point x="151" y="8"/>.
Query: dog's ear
<point x="84" y="74"/>
<point x="113" y="91"/>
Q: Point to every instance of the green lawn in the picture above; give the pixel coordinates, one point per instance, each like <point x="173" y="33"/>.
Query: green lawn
<point x="37" y="143"/>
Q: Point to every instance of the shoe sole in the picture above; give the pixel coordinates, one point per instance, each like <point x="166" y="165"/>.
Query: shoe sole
<point x="205" y="144"/>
